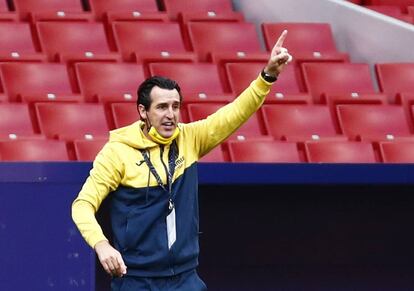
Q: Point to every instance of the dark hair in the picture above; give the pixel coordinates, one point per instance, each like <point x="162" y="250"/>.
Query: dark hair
<point x="144" y="90"/>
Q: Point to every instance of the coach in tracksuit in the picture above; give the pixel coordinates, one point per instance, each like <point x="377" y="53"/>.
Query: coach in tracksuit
<point x="150" y="170"/>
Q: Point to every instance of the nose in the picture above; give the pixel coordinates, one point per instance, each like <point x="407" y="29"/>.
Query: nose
<point x="170" y="113"/>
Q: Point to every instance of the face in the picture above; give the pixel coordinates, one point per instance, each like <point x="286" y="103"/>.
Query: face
<point x="164" y="111"/>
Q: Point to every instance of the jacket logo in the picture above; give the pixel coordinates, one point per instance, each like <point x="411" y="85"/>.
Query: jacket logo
<point x="179" y="162"/>
<point x="140" y="163"/>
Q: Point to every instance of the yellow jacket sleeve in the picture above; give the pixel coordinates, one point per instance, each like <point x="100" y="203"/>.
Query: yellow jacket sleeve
<point x="217" y="127"/>
<point x="104" y="177"/>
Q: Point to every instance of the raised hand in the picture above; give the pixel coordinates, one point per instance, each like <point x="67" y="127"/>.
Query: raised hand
<point x="279" y="57"/>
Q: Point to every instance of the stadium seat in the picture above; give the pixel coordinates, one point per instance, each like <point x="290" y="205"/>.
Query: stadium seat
<point x="97" y="81"/>
<point x="25" y="7"/>
<point x="174" y="7"/>
<point x="15" y="119"/>
<point x="16" y="43"/>
<point x="33" y="150"/>
<point x="86" y="150"/>
<point x="34" y="78"/>
<point x="308" y="42"/>
<point x="403" y="4"/>
<point x="63" y="41"/>
<point x="99" y="8"/>
<point x="392" y="11"/>
<point x="193" y="78"/>
<point x="372" y="122"/>
<point x="298" y="122"/>
<point x="351" y="98"/>
<point x="150" y="40"/>
<point x="337" y="78"/>
<point x="5" y="14"/>
<point x="285" y="90"/>
<point x="214" y="156"/>
<point x="210" y="16"/>
<point x="124" y="114"/>
<point x="339" y="152"/>
<point x="71" y="121"/>
<point x="210" y="38"/>
<point x="397" y="152"/>
<point x="394" y="78"/>
<point x="263" y="152"/>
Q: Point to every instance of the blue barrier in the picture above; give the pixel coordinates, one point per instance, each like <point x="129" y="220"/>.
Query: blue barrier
<point x="41" y="249"/>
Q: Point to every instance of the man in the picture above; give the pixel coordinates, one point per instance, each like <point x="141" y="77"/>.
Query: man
<point x="150" y="170"/>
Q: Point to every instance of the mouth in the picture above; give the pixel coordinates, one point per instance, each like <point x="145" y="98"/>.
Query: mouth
<point x="168" y="125"/>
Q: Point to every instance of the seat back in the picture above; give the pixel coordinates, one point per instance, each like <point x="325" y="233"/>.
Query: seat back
<point x="33" y="150"/>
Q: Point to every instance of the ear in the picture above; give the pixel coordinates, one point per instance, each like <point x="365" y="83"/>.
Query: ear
<point x="142" y="111"/>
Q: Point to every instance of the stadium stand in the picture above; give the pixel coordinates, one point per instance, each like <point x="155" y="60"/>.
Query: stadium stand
<point x="333" y="78"/>
<point x="16" y="43"/>
<point x="25" y="8"/>
<point x="34" y="78"/>
<point x="100" y="9"/>
<point x="15" y="120"/>
<point x="397" y="151"/>
<point x="373" y="122"/>
<point x="395" y="78"/>
<point x="339" y="152"/>
<point x="298" y="122"/>
<point x="174" y="7"/>
<point x="86" y="150"/>
<point x="97" y="82"/>
<point x="263" y="152"/>
<point x="72" y="121"/>
<point x="33" y="150"/>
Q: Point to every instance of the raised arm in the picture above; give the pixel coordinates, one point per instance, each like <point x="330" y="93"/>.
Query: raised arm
<point x="213" y="130"/>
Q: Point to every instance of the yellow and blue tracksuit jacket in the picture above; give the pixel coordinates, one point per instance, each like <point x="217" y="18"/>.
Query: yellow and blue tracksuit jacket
<point x="139" y="205"/>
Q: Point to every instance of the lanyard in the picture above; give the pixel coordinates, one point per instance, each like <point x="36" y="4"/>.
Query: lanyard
<point x="172" y="155"/>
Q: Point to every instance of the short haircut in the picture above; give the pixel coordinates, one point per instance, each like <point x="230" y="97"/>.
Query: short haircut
<point x="145" y="88"/>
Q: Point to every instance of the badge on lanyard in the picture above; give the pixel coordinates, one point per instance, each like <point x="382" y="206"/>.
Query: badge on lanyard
<point x="171" y="229"/>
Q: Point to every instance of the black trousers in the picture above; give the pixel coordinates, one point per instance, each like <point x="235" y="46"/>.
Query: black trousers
<point x="187" y="281"/>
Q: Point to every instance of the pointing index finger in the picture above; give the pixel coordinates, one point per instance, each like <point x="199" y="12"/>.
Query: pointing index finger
<point x="281" y="39"/>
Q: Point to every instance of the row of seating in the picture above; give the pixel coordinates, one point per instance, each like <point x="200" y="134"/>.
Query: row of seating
<point x="283" y="122"/>
<point x="307" y="41"/>
<point x="254" y="150"/>
<point x="98" y="8"/>
<point x="117" y="82"/>
<point x="399" y="9"/>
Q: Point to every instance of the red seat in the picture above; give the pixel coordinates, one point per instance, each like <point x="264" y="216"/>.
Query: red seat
<point x="337" y="78"/>
<point x="192" y="78"/>
<point x="16" y="43"/>
<point x="210" y="16"/>
<point x="15" y="119"/>
<point x="339" y="152"/>
<point x="214" y="156"/>
<point x="253" y="127"/>
<point x="305" y="41"/>
<point x="298" y="122"/>
<point x="397" y="152"/>
<point x="374" y="122"/>
<point x="71" y="121"/>
<point x="174" y="7"/>
<point x="390" y="10"/>
<point x="34" y="78"/>
<point x="149" y="39"/>
<point x="74" y="40"/>
<point x="25" y="7"/>
<point x="5" y="14"/>
<point x="210" y="38"/>
<point x="124" y="114"/>
<point x="403" y="4"/>
<point x="33" y="150"/>
<point x="285" y="90"/>
<point x="395" y="78"/>
<point x="112" y="82"/>
<point x="263" y="152"/>
<point x="86" y="150"/>
<point x="100" y="8"/>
